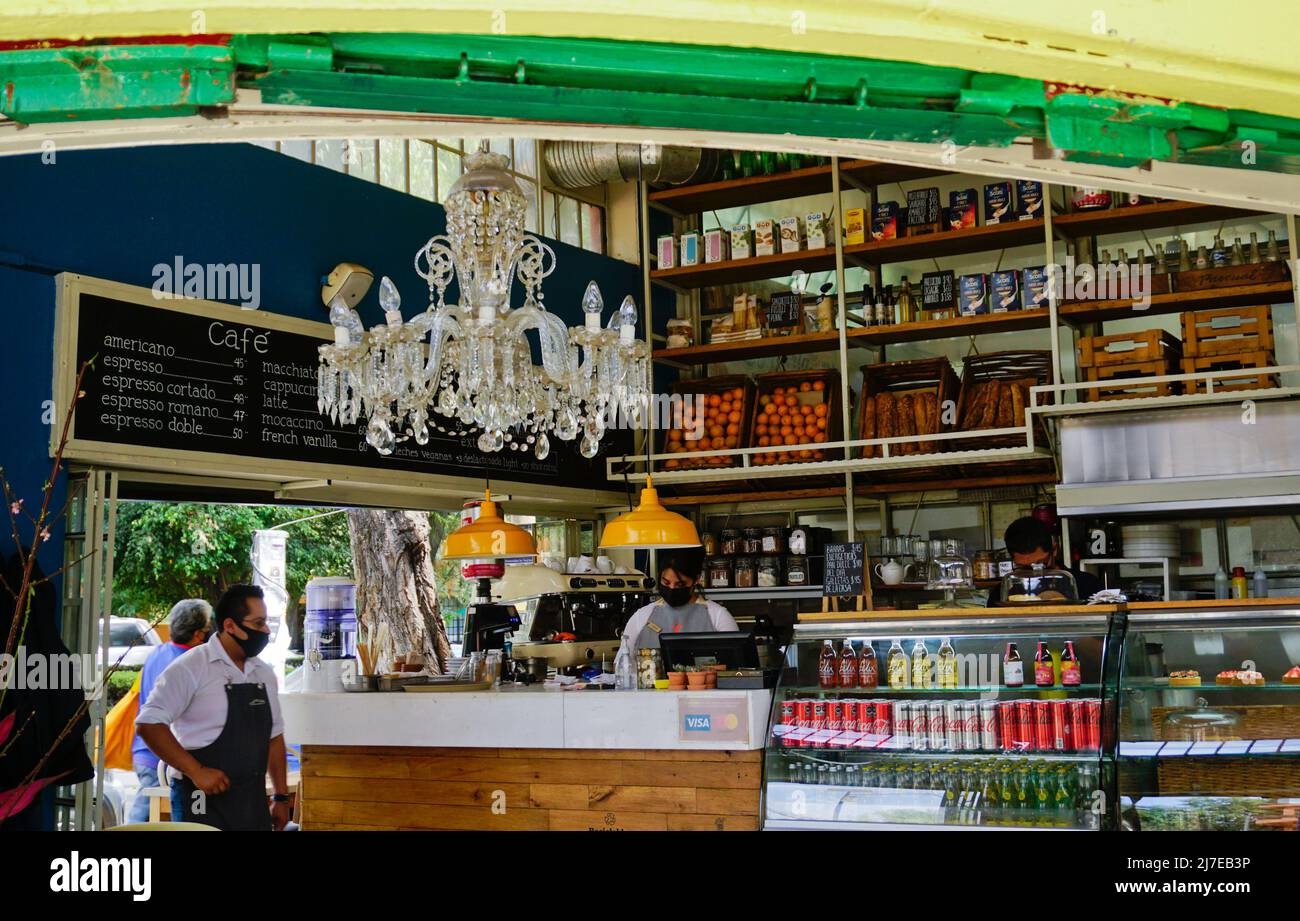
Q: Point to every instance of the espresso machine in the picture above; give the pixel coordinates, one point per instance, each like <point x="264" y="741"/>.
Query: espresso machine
<point x="572" y="619"/>
<point x="487" y="623"/>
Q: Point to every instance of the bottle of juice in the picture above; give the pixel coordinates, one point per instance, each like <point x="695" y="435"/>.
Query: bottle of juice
<point x="828" y="666"/>
<point x="922" y="666"/>
<point x="1071" y="673"/>
<point x="947" y="665"/>
<point x="1044" y="674"/>
<point x="897" y="666"/>
<point x="847" y="666"/>
<point x="868" y="668"/>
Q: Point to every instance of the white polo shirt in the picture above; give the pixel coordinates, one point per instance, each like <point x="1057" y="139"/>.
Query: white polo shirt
<point x="190" y="694"/>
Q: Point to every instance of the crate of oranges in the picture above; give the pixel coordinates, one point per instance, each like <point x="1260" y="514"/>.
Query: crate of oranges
<point x="796" y="408"/>
<point x="726" y="403"/>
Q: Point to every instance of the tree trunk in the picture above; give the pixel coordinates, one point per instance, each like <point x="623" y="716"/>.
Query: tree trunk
<point x="392" y="557"/>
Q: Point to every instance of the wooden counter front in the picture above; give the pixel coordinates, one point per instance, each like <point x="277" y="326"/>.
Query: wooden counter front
<point x="352" y="788"/>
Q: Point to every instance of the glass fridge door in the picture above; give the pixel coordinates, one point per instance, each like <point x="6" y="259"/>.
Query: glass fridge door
<point x="953" y="733"/>
<point x="1210" y="720"/>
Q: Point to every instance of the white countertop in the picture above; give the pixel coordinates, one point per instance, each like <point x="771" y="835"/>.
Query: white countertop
<point x="531" y="718"/>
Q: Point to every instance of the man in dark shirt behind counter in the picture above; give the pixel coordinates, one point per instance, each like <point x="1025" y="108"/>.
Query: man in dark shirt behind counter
<point x="1029" y="541"/>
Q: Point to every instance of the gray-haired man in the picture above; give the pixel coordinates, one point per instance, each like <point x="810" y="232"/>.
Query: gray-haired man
<point x="190" y="621"/>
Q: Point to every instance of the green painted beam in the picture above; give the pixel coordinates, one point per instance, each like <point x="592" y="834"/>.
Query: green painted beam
<point x="114" y="81"/>
<point x="622" y="107"/>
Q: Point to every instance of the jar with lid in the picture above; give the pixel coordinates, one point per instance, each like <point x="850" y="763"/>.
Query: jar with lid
<point x="769" y="571"/>
<point x="752" y="543"/>
<point x="986" y="565"/>
<point x="649" y="668"/>
<point x="744" y="572"/>
<point x="720" y="572"/>
<point x="774" y="540"/>
<point x="796" y="569"/>
<point x="710" y="542"/>
<point x="729" y="545"/>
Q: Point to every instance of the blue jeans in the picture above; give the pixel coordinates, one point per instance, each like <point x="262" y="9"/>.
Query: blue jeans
<point x="148" y="776"/>
<point x="178" y="801"/>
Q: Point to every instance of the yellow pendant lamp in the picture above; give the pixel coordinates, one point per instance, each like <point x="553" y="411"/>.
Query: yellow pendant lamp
<point x="650" y="526"/>
<point x="489" y="536"/>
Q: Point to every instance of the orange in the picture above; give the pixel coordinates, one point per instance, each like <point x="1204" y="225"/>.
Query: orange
<point x="733" y="416"/>
<point x="819" y="385"/>
<point x="791" y="440"/>
<point x="820" y="409"/>
<point x="714" y="399"/>
<point x="733" y="429"/>
<point x="805" y="387"/>
<point x="770" y="409"/>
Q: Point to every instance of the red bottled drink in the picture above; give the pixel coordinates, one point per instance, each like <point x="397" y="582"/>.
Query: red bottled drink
<point x="847" y="666"/>
<point x="828" y="666"/>
<point x="868" y="668"/>
<point x="1071" y="672"/>
<point x="1044" y="673"/>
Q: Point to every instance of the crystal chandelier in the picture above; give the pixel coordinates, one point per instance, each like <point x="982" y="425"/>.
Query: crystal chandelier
<point x="469" y="366"/>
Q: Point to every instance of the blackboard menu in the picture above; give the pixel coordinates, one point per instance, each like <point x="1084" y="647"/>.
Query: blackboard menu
<point x="783" y="310"/>
<point x="168" y="379"/>
<point x="923" y="210"/>
<point x="846" y="566"/>
<point x="937" y="291"/>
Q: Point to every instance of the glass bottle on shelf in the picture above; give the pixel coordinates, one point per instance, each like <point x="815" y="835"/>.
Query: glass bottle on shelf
<point x="624" y="669"/>
<point x="846" y="666"/>
<point x="1013" y="669"/>
<point x="1219" y="254"/>
<point x="1071" y="673"/>
<point x="827" y="665"/>
<point x="1273" y="252"/>
<point x="1202" y="258"/>
<point x="897" y="667"/>
<point x="947" y="665"/>
<point x="1255" y="255"/>
<point x="1237" y="257"/>
<point x="922" y="666"/>
<point x="868" y="668"/>
<point x="906" y="303"/>
<point x="1044" y="673"/>
<point x="1184" y="257"/>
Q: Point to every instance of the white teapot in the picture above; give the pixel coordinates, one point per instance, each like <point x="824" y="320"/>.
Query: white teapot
<point x="890" y="572"/>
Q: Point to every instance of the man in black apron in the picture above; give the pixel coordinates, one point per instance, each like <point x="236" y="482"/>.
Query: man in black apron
<point x="214" y="716"/>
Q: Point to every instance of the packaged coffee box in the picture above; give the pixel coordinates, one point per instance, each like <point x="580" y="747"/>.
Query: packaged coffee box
<point x="689" y="248"/>
<point x="815" y="224"/>
<point x="1029" y="198"/>
<point x="765" y="237"/>
<point x="963" y="209"/>
<point x="717" y="245"/>
<point x="667" y="252"/>
<point x="973" y="294"/>
<point x="1033" y="287"/>
<point x="742" y="241"/>
<point x="884" y="221"/>
<point x="854" y="228"/>
<point x="791" y="234"/>
<point x="997" y="202"/>
<point x="1005" y="288"/>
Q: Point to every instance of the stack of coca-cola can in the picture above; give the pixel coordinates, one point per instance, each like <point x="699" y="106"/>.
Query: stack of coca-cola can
<point x="1050" y="725"/>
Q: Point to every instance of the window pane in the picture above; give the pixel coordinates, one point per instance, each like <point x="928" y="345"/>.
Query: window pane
<point x="448" y="171"/>
<point x="570" y="230"/>
<point x="330" y="153"/>
<point x="470" y="144"/>
<point x="392" y="163"/>
<point x="525" y="157"/>
<point x="593" y="228"/>
<point x="299" y="150"/>
<point x="269" y="145"/>
<point x="421" y="157"/>
<point x="359" y="156"/>
<point x="502" y="146"/>
<point x="533" y="222"/>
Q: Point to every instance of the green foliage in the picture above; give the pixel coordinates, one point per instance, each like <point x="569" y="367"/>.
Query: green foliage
<point x="119" y="682"/>
<point x="169" y="551"/>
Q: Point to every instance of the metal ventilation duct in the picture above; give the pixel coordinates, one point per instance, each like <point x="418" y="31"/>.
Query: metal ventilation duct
<point x="580" y="164"/>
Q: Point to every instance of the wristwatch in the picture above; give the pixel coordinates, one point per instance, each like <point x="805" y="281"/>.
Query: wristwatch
<point x="279" y="797"/>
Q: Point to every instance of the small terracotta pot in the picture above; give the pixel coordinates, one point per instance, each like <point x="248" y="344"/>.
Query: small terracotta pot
<point x="711" y="679"/>
<point x="676" y="681"/>
<point x="696" y="681"/>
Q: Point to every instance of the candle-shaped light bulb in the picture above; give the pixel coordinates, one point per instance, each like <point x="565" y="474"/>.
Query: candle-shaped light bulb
<point x="592" y="305"/>
<point x="391" y="301"/>
<point x="627" y="320"/>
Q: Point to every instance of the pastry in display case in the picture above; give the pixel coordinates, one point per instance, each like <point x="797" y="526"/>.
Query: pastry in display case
<point x="1221" y="755"/>
<point x="929" y="724"/>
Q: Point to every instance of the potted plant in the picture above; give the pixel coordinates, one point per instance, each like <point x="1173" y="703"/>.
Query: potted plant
<point x="677" y="679"/>
<point x="696" y="679"/>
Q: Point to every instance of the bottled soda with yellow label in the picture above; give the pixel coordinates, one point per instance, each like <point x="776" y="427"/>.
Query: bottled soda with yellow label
<point x="922" y="666"/>
<point x="947" y="665"/>
<point x="897" y="666"/>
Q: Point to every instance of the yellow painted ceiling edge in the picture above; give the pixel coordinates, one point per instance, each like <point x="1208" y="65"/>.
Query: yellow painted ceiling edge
<point x="1206" y="51"/>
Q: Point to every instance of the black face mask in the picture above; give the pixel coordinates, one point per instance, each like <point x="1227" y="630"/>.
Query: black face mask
<point x="676" y="597"/>
<point x="254" y="643"/>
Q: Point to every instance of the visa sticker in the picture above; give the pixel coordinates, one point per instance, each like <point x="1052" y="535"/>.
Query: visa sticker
<point x="698" y="722"/>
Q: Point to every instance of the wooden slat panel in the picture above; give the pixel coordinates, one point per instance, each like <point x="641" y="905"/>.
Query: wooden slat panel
<point x="339" y="826"/>
<point x="566" y="754"/>
<point x="559" y="796"/>
<point x="682" y="774"/>
<point x="414" y="815"/>
<point x="448" y="793"/>
<point x="611" y="820"/>
<point x="712" y="823"/>
<point x="735" y="756"/>
<point x="643" y="799"/>
<point x="519" y="770"/>
<point x="356" y="764"/>
<point x="728" y="802"/>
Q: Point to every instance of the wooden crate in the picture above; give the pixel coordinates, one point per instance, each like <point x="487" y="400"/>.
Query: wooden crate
<point x="1014" y="372"/>
<point x="895" y="387"/>
<point x="1244" y="361"/>
<point x="823" y="390"/>
<point x="710" y="388"/>
<point x="1231" y="330"/>
<point x="1231" y="276"/>
<point x="1126" y="382"/>
<point x="1128" y="348"/>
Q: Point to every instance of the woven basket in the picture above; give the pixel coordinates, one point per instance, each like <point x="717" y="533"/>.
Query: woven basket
<point x="1244" y="776"/>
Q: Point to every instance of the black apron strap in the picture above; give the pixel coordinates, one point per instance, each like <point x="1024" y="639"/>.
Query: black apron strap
<point x="240" y="751"/>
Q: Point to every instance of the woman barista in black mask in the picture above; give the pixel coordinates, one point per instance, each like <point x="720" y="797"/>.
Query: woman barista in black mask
<point x="680" y="608"/>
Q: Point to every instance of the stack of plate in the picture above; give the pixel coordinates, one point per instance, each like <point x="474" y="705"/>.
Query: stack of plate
<point x="1150" y="540"/>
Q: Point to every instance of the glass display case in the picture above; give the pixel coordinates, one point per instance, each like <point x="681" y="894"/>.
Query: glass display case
<point x="1209" y="719"/>
<point x="973" y="721"/>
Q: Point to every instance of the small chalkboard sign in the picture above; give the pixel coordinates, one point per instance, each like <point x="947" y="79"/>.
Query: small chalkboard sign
<point x="783" y="309"/>
<point x="846" y="569"/>
<point x="938" y="291"/>
<point x="923" y="211"/>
